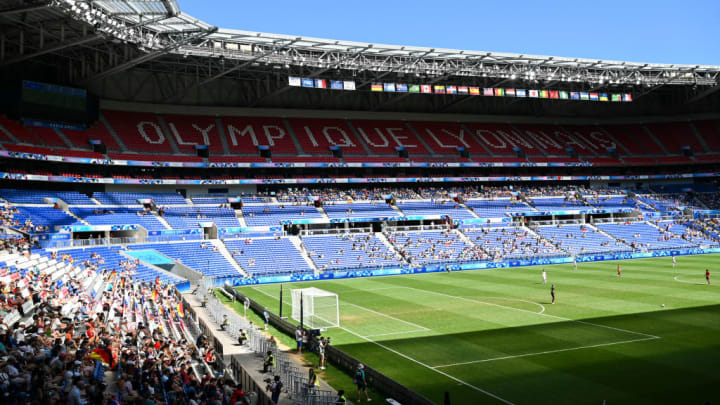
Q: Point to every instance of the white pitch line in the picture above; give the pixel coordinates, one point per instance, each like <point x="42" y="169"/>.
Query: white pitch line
<point x="514" y="299"/>
<point x="536" y="313"/>
<point x="388" y="316"/>
<point x="490" y="394"/>
<point x="393" y="333"/>
<point x="687" y="282"/>
<point x="545" y="352"/>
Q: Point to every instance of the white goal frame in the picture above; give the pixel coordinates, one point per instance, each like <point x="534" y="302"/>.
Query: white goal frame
<point x="320" y="308"/>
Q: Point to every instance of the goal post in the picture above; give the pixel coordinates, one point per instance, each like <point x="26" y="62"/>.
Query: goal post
<point x="320" y="308"/>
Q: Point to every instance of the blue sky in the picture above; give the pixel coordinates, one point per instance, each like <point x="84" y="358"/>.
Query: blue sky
<point x="659" y="31"/>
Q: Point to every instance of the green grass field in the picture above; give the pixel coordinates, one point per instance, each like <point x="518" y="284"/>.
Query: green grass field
<point x="492" y="336"/>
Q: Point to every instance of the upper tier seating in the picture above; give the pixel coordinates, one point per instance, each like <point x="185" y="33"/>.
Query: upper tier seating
<point x="557" y="204"/>
<point x="446" y="137"/>
<point x="377" y="209"/>
<point x="635" y="139"/>
<point x="347" y="251"/>
<point x="244" y="135"/>
<point x="200" y="256"/>
<point x="272" y="214"/>
<point x="268" y="256"/>
<point x="451" y="208"/>
<point x="44" y="216"/>
<point x="36" y="196"/>
<point x="318" y="135"/>
<point x="382" y="137"/>
<point x="118" y="216"/>
<point x="81" y="139"/>
<point x="710" y="132"/>
<point x="675" y="135"/>
<point x="191" y="217"/>
<point x="689" y="233"/>
<point x="553" y="140"/>
<point x="615" y="202"/>
<point x="113" y="198"/>
<point x="191" y="130"/>
<point x="141" y="132"/>
<point x="497" y="208"/>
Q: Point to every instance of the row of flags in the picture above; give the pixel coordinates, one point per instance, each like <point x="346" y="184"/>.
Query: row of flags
<point x="321" y="83"/>
<point x="461" y="90"/>
<point x="498" y="92"/>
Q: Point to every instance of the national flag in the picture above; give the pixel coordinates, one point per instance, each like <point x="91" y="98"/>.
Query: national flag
<point x="414" y="88"/>
<point x="533" y="93"/>
<point x="336" y="84"/>
<point x="320" y="84"/>
<point x="349" y="85"/>
<point x="554" y="94"/>
<point x="426" y="88"/>
<point x="294" y="81"/>
<point x="160" y="310"/>
<point x="474" y="91"/>
<point x="510" y="92"/>
<point x="520" y="93"/>
<point x="451" y="90"/>
<point x="180" y="310"/>
<point x="487" y="91"/>
<point x="603" y="97"/>
<point x="112" y="274"/>
<point x="574" y="95"/>
<point x="157" y="280"/>
<point x="584" y="96"/>
<point x="462" y="90"/>
<point x="439" y="89"/>
<point x="103" y="354"/>
<point x="308" y="82"/>
<point x="154" y="295"/>
<point x="376" y="87"/>
<point x="544" y="94"/>
<point x="122" y="282"/>
<point x="401" y="88"/>
<point x="564" y="95"/>
<point x="499" y="92"/>
<point x="626" y="97"/>
<point x="594" y="97"/>
<point x="615" y="97"/>
<point x="389" y="87"/>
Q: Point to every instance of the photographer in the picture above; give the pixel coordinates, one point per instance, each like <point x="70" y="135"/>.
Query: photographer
<point x="322" y="347"/>
<point x="269" y="361"/>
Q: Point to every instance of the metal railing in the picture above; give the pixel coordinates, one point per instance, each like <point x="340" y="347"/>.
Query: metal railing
<point x="293" y="378"/>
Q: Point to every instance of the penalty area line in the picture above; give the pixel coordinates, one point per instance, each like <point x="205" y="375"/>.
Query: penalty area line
<point x="544" y="352"/>
<point x="405" y="356"/>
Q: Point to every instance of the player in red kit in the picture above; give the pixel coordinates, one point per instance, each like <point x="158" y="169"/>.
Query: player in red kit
<point x="707" y="275"/>
<point x="619" y="271"/>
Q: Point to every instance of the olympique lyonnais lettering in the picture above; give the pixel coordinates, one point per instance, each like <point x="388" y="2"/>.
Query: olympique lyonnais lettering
<point x="392" y="133"/>
<point x="155" y="131"/>
<point x="271" y="133"/>
<point x="334" y="135"/>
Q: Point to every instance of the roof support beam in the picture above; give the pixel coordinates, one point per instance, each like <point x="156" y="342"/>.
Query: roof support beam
<point x="51" y="49"/>
<point x="25" y="9"/>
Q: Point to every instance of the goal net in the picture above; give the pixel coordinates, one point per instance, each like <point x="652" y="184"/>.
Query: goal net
<point x="320" y="308"/>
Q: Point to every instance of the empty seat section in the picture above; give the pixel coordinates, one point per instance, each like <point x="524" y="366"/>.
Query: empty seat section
<point x="496" y="208"/>
<point x="378" y="209"/>
<point x="264" y="256"/>
<point x="191" y="130"/>
<point x="115" y="198"/>
<point x="154" y="158"/>
<point x="500" y="139"/>
<point x="244" y="135"/>
<point x="29" y="149"/>
<point x="305" y="159"/>
<point x="557" y="204"/>
<point x="635" y="139"/>
<point x="140" y="132"/>
<point x="200" y="256"/>
<point x="382" y="137"/>
<point x="374" y="159"/>
<point x="36" y="196"/>
<point x="446" y="137"/>
<point x="675" y="135"/>
<point x="191" y="217"/>
<point x="78" y="153"/>
<point x="318" y="135"/>
<point x="451" y="208"/>
<point x="552" y="139"/>
<point x="237" y="159"/>
<point x="710" y="132"/>
<point x="591" y="136"/>
<point x="272" y="214"/>
<point x="118" y="216"/>
<point x="19" y="131"/>
<point x="81" y="139"/>
<point x="49" y="136"/>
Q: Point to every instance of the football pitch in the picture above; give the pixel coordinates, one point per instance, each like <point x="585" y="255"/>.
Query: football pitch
<point x="493" y="336"/>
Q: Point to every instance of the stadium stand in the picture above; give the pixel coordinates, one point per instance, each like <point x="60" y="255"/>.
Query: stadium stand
<point x="200" y="256"/>
<point x="382" y="137"/>
<point x="273" y="214"/>
<point x="118" y="216"/>
<point x="348" y="251"/>
<point x="267" y="256"/>
<point x="580" y="239"/>
<point x="38" y="196"/>
<point x="140" y="132"/>
<point x="318" y="135"/>
<point x="191" y="130"/>
<point x="451" y="208"/>
<point x="359" y="210"/>
<point x="511" y="243"/>
<point x="485" y="208"/>
<point x="640" y="235"/>
<point x="437" y="246"/>
<point x="114" y="198"/>
<point x="244" y="135"/>
<point x="191" y="217"/>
